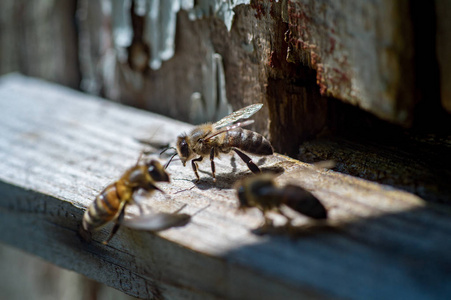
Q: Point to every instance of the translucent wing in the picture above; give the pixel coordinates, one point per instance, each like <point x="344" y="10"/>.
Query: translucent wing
<point x="228" y="128"/>
<point x="157" y="222"/>
<point x="244" y="113"/>
<point x="160" y="221"/>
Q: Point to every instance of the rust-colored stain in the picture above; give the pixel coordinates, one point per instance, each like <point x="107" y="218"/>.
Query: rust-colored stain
<point x="259" y="9"/>
<point x="301" y="27"/>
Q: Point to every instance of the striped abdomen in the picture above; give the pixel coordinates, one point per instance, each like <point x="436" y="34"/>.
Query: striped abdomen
<point x="248" y="141"/>
<point x="105" y="208"/>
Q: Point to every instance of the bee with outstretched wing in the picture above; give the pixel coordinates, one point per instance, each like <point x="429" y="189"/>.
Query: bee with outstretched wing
<point x="222" y="137"/>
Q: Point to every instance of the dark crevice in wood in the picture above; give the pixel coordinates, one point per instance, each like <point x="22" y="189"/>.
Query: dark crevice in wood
<point x="297" y="110"/>
<point x="369" y="148"/>
<point x="429" y="114"/>
<point x="308" y="126"/>
<point x="138" y="51"/>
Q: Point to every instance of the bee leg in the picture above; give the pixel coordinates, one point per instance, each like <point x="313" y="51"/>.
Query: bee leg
<point x="86" y="235"/>
<point x="288" y="223"/>
<point x="117" y="224"/>
<point x="152" y="187"/>
<point x="194" y="165"/>
<point x="212" y="157"/>
<point x="267" y="221"/>
<point x="250" y="164"/>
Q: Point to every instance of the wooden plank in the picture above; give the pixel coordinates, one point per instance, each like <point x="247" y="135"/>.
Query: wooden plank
<point x="22" y="277"/>
<point x="362" y="51"/>
<point x="59" y="148"/>
<point x="39" y="39"/>
<point x="419" y="165"/>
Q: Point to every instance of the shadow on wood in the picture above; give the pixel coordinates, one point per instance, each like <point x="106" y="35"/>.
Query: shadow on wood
<point x="60" y="148"/>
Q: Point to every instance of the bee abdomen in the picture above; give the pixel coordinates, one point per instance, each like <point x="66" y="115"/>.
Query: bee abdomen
<point x="249" y="141"/>
<point x="303" y="202"/>
<point x="104" y="209"/>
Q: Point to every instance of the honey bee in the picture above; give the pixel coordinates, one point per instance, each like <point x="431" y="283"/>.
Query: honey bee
<point x="260" y="191"/>
<point x="110" y="204"/>
<point x="222" y="137"/>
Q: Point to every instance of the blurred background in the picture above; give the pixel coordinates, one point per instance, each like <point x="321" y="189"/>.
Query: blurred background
<point x="23" y="276"/>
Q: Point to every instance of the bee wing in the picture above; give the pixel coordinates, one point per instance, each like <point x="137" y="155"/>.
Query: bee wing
<point x="228" y="128"/>
<point x="244" y="113"/>
<point x="157" y="222"/>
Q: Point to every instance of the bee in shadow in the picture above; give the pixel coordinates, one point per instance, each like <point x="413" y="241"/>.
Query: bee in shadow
<point x="261" y="191"/>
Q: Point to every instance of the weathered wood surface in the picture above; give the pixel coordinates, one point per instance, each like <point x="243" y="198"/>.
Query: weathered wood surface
<point x="419" y="167"/>
<point x="25" y="276"/>
<point x="59" y="148"/>
<point x="362" y="51"/>
<point x="273" y="52"/>
<point x="39" y="38"/>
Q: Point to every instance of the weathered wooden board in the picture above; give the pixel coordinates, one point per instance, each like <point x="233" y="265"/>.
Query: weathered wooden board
<point x="39" y="39"/>
<point x="297" y="57"/>
<point x="59" y="148"/>
<point x="25" y="276"/>
<point x="362" y="51"/>
<point x="419" y="167"/>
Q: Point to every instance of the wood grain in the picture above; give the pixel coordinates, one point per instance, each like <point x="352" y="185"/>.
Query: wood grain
<point x="59" y="148"/>
<point x="39" y="39"/>
<point x="362" y="51"/>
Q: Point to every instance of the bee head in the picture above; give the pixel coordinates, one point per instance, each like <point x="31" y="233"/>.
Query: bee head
<point x="156" y="171"/>
<point x="250" y="189"/>
<point x="183" y="149"/>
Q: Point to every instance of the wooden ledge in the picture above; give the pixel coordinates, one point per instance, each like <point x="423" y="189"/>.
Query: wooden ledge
<point x="60" y="148"/>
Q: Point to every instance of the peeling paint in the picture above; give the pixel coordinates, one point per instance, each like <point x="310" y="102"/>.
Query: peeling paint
<point x="122" y="24"/>
<point x="160" y="22"/>
<point x="221" y="9"/>
<point x="211" y="104"/>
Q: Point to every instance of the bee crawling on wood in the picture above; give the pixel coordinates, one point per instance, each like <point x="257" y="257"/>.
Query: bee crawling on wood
<point x="260" y="191"/>
<point x="222" y="137"/>
<point x="110" y="204"/>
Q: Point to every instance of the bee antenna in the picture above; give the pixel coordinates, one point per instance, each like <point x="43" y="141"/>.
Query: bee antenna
<point x="167" y="148"/>
<point x="169" y="161"/>
<point x="139" y="158"/>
